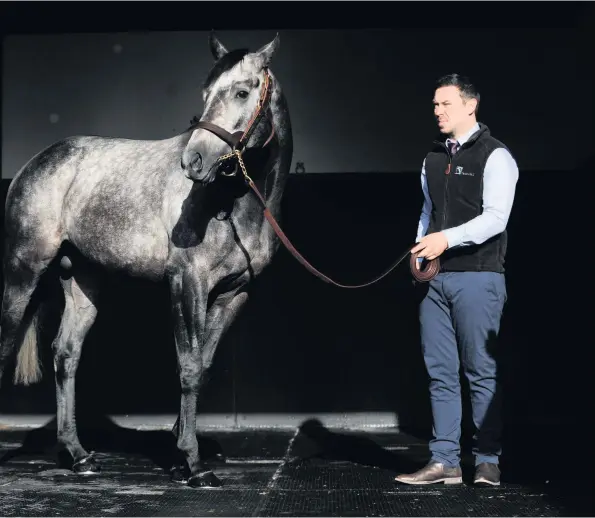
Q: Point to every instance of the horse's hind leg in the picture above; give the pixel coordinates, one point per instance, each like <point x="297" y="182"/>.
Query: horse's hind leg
<point x="78" y="317"/>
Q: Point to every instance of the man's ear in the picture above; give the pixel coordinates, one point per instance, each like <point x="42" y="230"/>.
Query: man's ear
<point x="471" y="106"/>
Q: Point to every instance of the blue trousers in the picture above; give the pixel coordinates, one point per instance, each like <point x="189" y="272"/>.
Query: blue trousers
<point x="460" y="320"/>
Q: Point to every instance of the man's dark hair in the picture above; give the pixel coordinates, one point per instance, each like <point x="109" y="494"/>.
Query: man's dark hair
<point x="466" y="87"/>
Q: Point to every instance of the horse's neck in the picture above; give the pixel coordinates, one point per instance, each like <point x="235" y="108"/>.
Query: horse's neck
<point x="274" y="186"/>
<point x="275" y="178"/>
<point x="278" y="171"/>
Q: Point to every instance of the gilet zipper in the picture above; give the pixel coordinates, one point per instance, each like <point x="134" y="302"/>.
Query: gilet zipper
<point x="447" y="173"/>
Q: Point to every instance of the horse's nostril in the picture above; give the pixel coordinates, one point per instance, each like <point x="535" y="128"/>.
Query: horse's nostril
<point x="196" y="163"/>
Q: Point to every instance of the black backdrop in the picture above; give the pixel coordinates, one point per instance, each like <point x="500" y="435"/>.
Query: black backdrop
<point x="304" y="347"/>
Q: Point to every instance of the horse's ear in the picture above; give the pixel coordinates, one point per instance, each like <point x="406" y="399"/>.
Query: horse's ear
<point x="217" y="48"/>
<point x="265" y="54"/>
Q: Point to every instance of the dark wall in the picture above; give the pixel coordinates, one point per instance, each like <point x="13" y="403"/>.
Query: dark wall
<point x="360" y="100"/>
<point x="303" y="346"/>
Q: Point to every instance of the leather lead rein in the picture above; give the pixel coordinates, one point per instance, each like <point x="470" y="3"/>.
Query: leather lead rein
<point x="426" y="274"/>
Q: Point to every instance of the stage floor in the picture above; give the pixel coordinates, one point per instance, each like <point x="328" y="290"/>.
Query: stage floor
<point x="264" y="473"/>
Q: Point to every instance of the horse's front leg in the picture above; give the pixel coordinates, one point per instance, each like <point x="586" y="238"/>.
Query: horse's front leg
<point x="189" y="292"/>
<point x="220" y="316"/>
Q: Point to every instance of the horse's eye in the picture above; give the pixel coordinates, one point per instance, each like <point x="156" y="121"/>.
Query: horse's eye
<point x="242" y="94"/>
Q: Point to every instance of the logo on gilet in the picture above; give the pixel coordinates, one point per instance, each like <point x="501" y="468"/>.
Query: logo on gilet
<point x="459" y="170"/>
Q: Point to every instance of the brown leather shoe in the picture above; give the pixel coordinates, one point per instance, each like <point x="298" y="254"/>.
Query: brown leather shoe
<point x="433" y="473"/>
<point x="487" y="473"/>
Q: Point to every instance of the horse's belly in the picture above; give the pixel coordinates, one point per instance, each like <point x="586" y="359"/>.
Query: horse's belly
<point x="136" y="252"/>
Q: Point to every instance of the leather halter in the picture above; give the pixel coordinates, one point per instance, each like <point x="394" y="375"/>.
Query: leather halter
<point x="239" y="139"/>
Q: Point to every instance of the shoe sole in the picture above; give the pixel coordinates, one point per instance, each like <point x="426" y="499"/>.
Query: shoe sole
<point x="446" y="481"/>
<point x="485" y="482"/>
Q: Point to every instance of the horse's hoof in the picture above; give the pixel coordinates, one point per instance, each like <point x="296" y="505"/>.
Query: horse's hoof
<point x="204" y="479"/>
<point x="178" y="474"/>
<point x="86" y="466"/>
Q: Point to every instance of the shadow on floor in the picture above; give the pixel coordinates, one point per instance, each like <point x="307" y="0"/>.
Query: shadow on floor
<point x="102" y="434"/>
<point x="316" y="441"/>
<point x="559" y="479"/>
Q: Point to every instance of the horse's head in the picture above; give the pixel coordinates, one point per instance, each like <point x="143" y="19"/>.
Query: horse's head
<point x="237" y="112"/>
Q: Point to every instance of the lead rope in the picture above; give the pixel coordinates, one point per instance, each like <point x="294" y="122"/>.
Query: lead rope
<point x="422" y="275"/>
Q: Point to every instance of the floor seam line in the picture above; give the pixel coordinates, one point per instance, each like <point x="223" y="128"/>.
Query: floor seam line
<point x="270" y="486"/>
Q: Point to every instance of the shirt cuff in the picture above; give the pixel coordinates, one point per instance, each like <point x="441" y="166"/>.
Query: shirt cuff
<point x="454" y="236"/>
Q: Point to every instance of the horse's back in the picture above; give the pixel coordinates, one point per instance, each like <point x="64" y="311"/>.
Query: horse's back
<point x="114" y="212"/>
<point x="47" y="167"/>
<point x="104" y="195"/>
<point x="67" y="175"/>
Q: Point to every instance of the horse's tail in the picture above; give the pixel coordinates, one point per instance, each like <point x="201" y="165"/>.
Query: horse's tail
<point x="28" y="368"/>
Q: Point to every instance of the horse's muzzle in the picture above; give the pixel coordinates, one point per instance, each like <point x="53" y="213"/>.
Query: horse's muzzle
<point x="192" y="162"/>
<point x="194" y="166"/>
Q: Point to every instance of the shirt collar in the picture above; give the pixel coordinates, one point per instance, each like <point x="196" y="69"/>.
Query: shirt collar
<point x="465" y="137"/>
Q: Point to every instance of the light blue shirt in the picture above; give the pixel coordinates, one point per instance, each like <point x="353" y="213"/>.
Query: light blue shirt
<point x="499" y="184"/>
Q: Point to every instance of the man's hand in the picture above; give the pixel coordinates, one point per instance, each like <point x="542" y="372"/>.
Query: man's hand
<point x="431" y="246"/>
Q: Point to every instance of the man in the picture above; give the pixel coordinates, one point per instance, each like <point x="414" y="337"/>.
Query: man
<point x="469" y="183"/>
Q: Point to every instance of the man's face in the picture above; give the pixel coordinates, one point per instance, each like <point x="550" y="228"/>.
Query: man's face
<point x="451" y="110"/>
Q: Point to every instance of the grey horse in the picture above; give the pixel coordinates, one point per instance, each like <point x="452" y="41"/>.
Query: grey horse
<point x="165" y="210"/>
